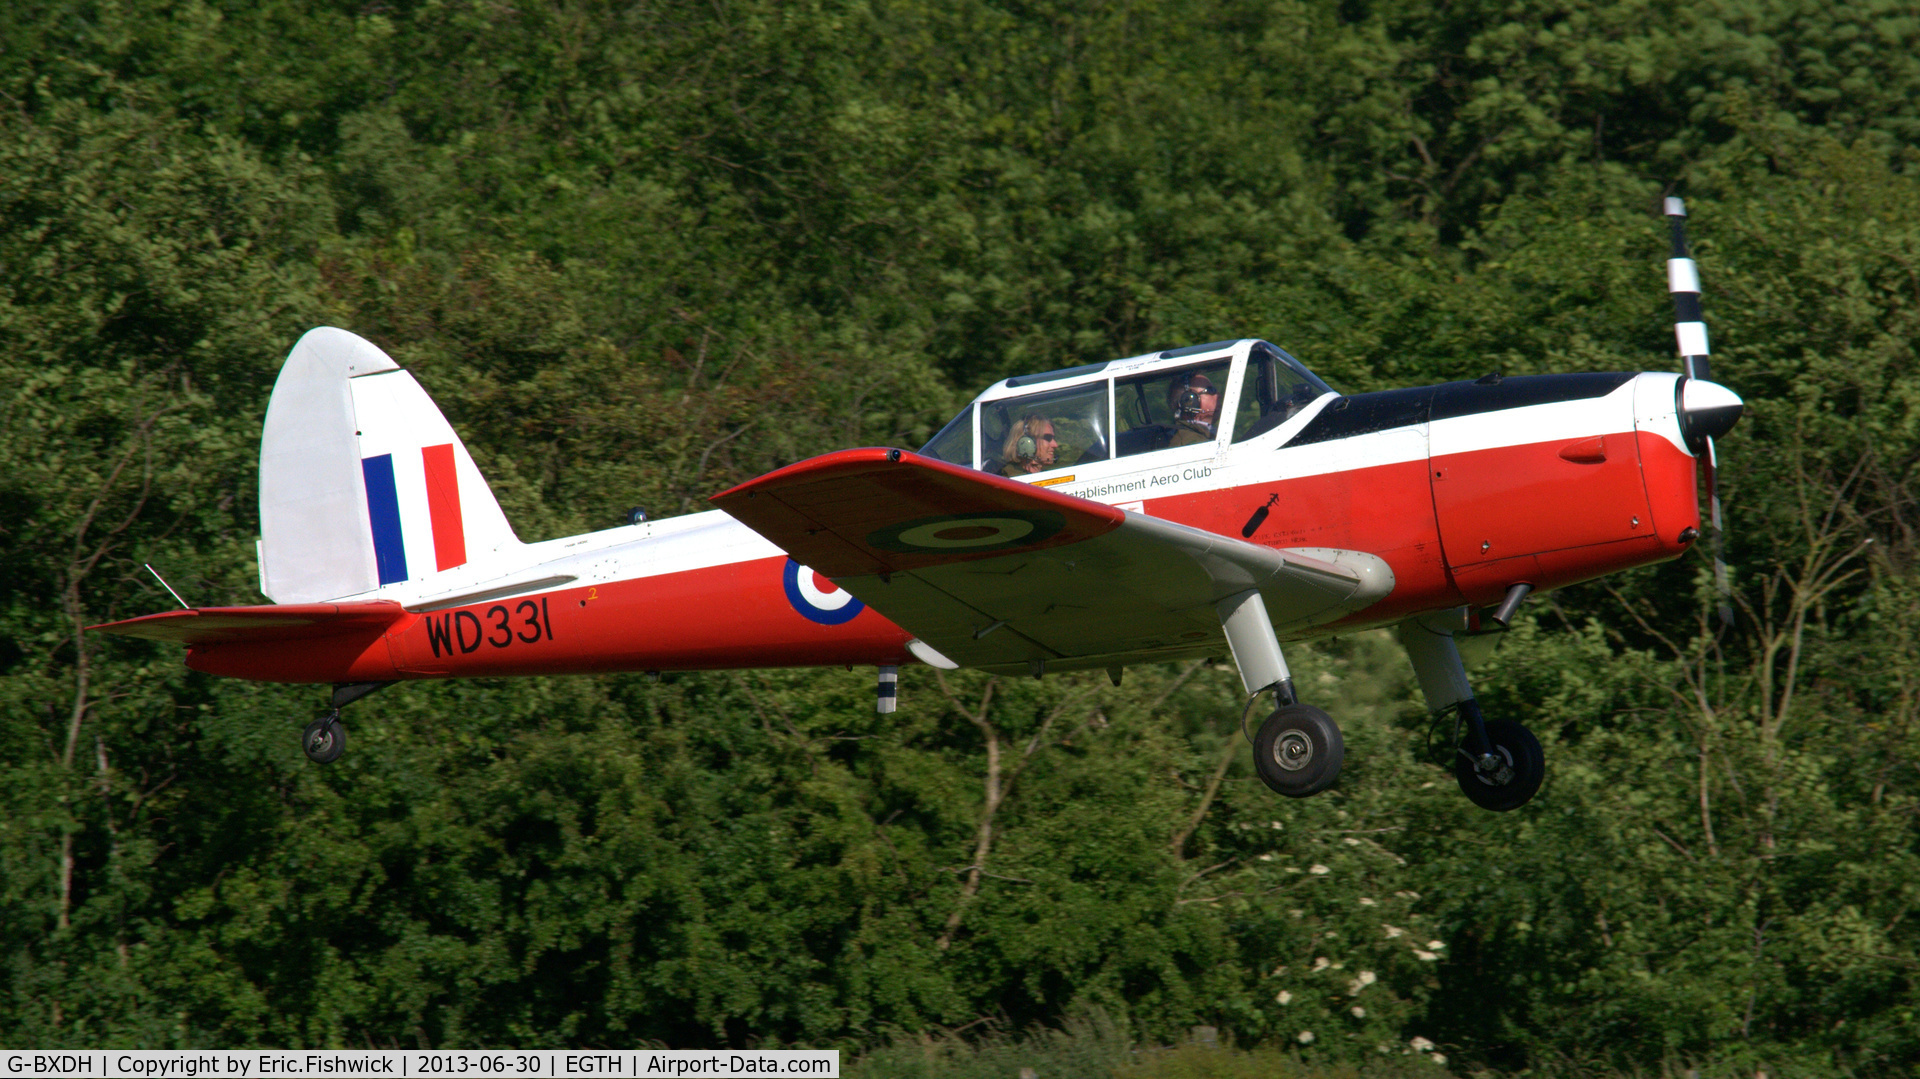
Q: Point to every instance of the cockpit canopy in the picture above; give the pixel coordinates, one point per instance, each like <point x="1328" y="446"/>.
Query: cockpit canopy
<point x="1238" y="390"/>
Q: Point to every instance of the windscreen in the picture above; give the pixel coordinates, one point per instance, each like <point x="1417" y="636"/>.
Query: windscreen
<point x="954" y="443"/>
<point x="1277" y="387"/>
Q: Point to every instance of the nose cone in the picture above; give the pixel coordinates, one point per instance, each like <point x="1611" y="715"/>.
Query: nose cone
<point x="1707" y="410"/>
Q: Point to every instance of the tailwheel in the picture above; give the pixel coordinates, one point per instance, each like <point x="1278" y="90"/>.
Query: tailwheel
<point x="1298" y="751"/>
<point x="1509" y="774"/>
<point x="325" y="739"/>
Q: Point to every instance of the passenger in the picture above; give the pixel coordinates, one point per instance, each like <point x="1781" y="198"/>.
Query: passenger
<point x="1030" y="447"/>
<point x="1196" y="410"/>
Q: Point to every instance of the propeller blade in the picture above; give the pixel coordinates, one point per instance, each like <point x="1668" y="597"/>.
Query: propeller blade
<point x="1707" y="409"/>
<point x="1722" y="586"/>
<point x="1683" y="281"/>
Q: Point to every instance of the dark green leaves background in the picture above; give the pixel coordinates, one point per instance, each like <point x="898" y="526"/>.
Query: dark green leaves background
<point x="640" y="252"/>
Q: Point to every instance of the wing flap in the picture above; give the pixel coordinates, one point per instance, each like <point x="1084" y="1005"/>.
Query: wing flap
<point x="262" y="624"/>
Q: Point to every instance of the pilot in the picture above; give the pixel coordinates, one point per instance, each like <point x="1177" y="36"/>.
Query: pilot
<point x="1196" y="409"/>
<point x="1030" y="446"/>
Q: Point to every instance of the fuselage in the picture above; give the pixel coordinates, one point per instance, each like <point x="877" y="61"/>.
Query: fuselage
<point x="1464" y="489"/>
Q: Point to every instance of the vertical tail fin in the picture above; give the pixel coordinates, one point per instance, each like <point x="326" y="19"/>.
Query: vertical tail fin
<point x="363" y="483"/>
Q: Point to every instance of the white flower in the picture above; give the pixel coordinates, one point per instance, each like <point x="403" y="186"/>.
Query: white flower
<point x="1359" y="1012"/>
<point x="1367" y="977"/>
<point x="1293" y="869"/>
<point x="1424" y="956"/>
<point x="1318" y="870"/>
<point x="1350" y="841"/>
<point x="1421" y="1045"/>
<point x="1408" y="895"/>
<point x="1284" y="997"/>
<point x="1279" y="970"/>
<point x="1365" y="902"/>
<point x="1394" y="931"/>
<point x="1305" y="1037"/>
<point x="1266" y="857"/>
<point x="1438" y="1058"/>
<point x="1436" y="945"/>
<point x="1321" y="963"/>
<point x="1277" y="826"/>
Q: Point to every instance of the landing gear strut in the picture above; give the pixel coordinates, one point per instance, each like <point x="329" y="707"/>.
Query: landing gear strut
<point x="1498" y="763"/>
<point x="325" y="739"/>
<point x="1299" y="749"/>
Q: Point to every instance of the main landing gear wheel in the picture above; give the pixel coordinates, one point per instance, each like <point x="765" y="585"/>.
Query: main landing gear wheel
<point x="1509" y="776"/>
<point x="325" y="739"/>
<point x="1298" y="751"/>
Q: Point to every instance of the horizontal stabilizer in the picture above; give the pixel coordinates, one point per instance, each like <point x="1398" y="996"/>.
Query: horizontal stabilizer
<point x="259" y="625"/>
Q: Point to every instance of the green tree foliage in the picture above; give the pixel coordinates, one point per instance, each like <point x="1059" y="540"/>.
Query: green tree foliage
<point x="641" y="252"/>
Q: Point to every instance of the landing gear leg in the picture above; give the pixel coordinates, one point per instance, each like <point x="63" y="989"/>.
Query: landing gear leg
<point x="325" y="739"/>
<point x="1498" y="763"/>
<point x="1299" y="749"/>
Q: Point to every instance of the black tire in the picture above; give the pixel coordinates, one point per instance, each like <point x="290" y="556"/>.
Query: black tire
<point x="325" y="739"/>
<point x="1298" y="751"/>
<point x="1520" y="752"/>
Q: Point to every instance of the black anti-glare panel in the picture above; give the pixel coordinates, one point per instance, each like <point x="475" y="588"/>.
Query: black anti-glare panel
<point x="1473" y="398"/>
<point x="1365" y="413"/>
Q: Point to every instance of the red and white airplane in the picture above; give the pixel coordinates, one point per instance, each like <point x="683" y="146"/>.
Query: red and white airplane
<point x="1177" y="504"/>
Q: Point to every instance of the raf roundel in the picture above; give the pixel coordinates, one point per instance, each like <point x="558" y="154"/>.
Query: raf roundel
<point x="829" y="608"/>
<point x="954" y="533"/>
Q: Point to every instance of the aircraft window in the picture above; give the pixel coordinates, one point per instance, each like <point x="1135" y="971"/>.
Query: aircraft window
<point x="1277" y="387"/>
<point x="1169" y="408"/>
<point x="954" y="443"/>
<point x="1020" y="436"/>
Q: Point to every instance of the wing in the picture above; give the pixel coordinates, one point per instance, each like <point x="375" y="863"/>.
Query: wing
<point x="998" y="574"/>
<point x="276" y="622"/>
